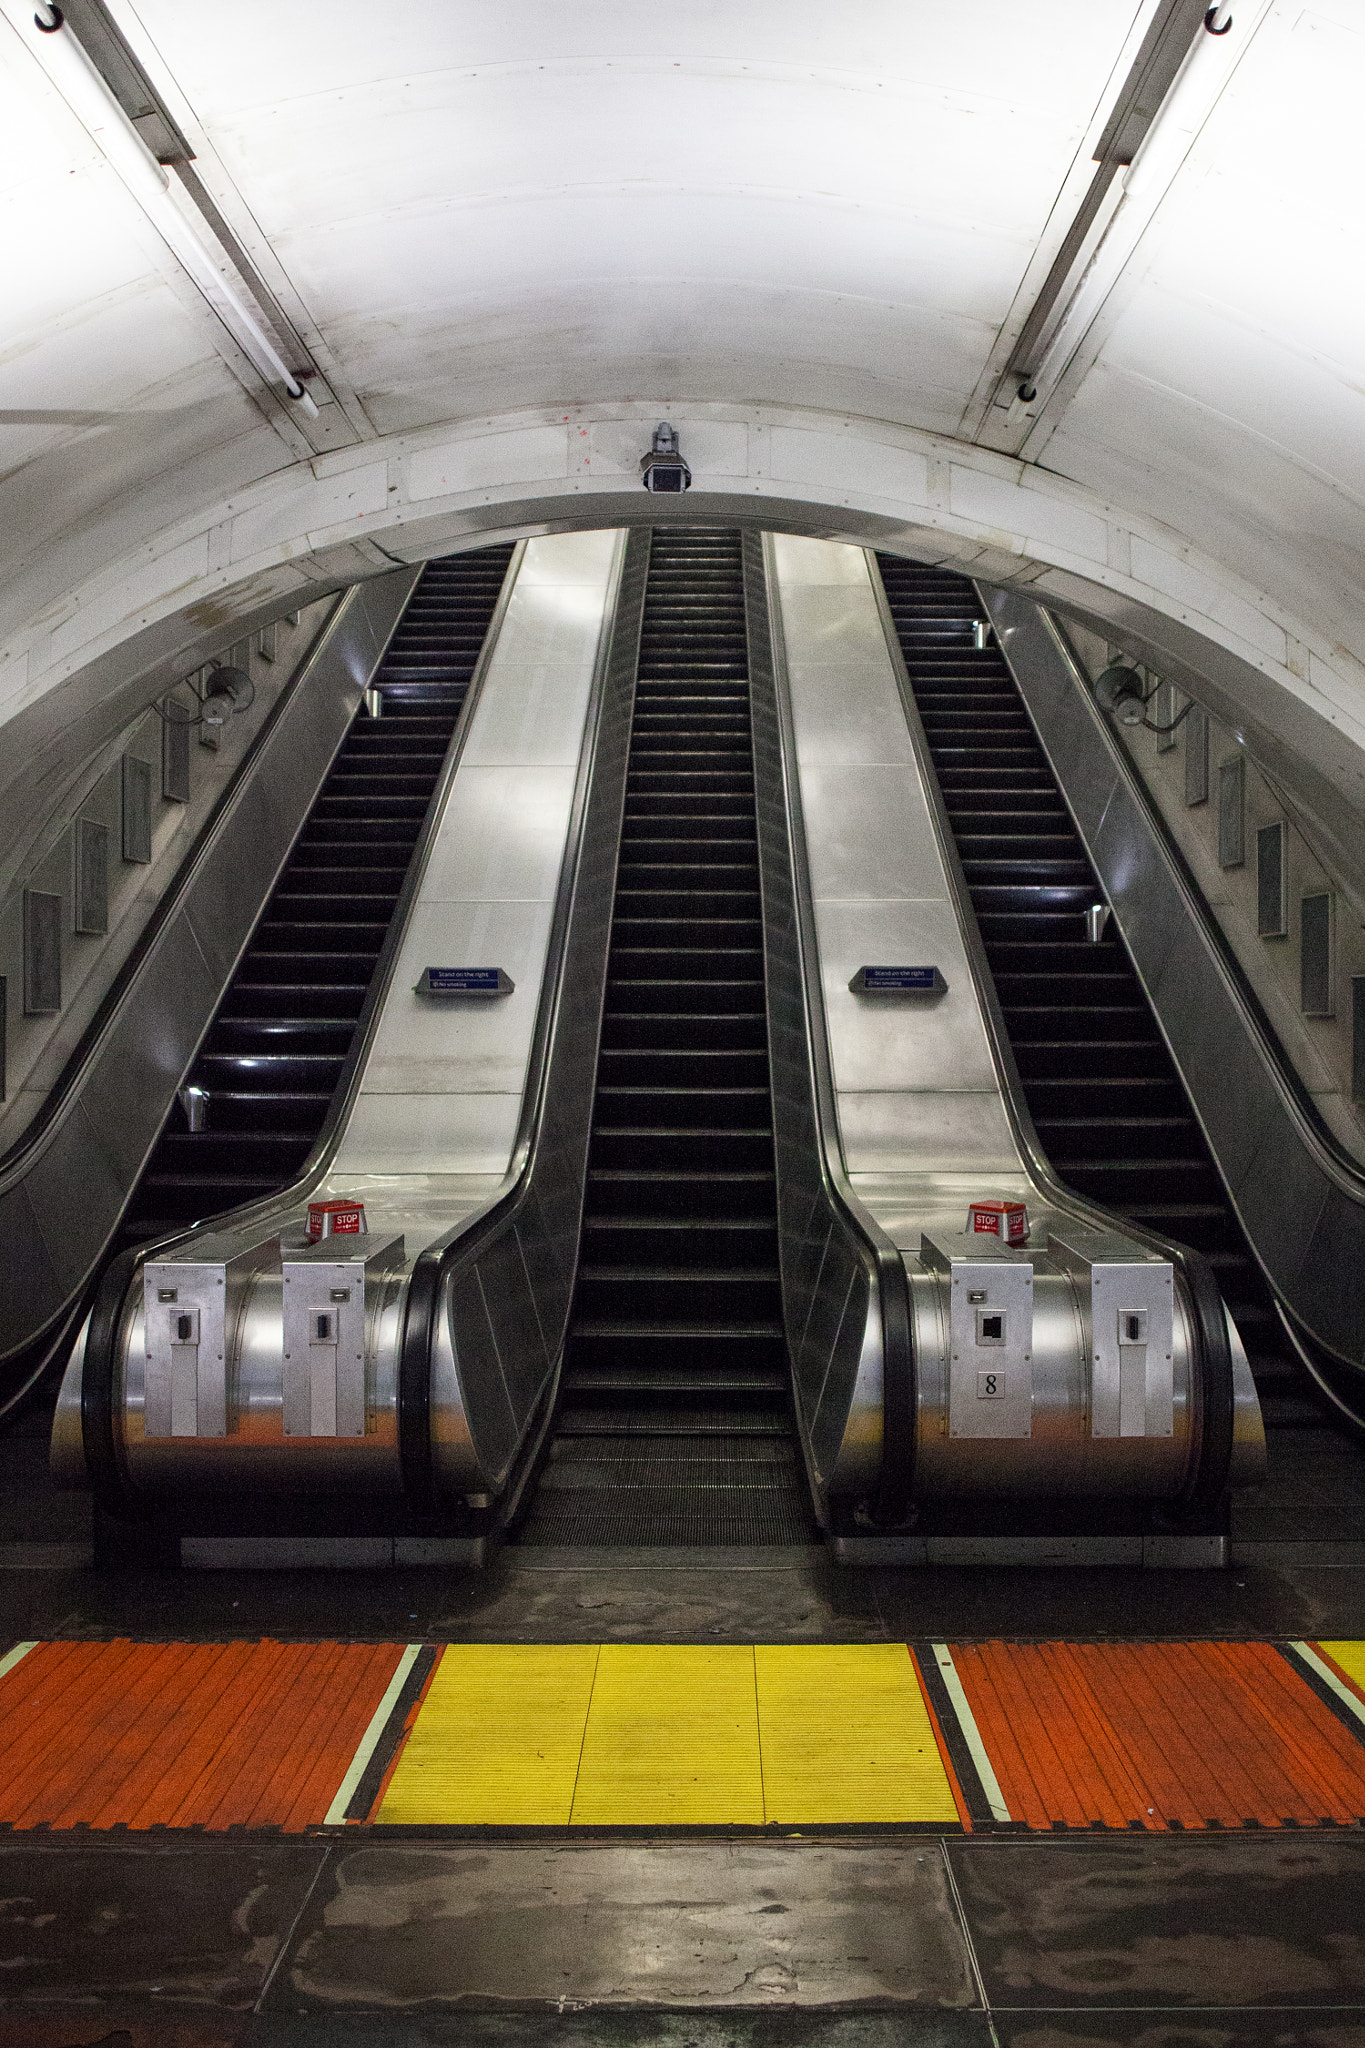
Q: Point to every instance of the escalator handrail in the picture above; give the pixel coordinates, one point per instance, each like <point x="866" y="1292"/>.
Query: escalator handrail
<point x="1215" y="1397"/>
<point x="873" y="1247"/>
<point x="618" y="649"/>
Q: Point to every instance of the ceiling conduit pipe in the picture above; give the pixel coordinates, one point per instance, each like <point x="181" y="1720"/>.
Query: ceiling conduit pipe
<point x="1175" y="27"/>
<point x="95" y="106"/>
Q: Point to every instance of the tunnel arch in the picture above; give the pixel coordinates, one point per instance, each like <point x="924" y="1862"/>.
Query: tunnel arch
<point x="126" y="630"/>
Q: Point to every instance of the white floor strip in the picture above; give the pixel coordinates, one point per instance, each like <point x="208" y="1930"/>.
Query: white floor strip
<point x="1323" y="1671"/>
<point x="336" y="1812"/>
<point x="12" y="1657"/>
<point x="966" y="1721"/>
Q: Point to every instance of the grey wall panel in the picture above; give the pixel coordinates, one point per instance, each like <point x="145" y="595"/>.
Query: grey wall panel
<point x="1232" y="812"/>
<point x="90" y="862"/>
<point x="42" y="953"/>
<point x="1300" y="1199"/>
<point x="1272" y="898"/>
<point x="1317" y="917"/>
<point x="175" y="755"/>
<point x="1197" y="756"/>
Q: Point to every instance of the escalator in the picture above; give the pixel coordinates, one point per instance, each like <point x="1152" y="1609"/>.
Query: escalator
<point x="1106" y="1100"/>
<point x="282" y="1036"/>
<point x="674" y="1424"/>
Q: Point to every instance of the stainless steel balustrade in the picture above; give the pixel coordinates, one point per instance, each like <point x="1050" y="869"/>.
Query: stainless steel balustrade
<point x="845" y="1301"/>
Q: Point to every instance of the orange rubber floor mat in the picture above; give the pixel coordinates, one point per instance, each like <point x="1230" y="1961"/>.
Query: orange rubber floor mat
<point x="1159" y="1735"/>
<point x="212" y="1735"/>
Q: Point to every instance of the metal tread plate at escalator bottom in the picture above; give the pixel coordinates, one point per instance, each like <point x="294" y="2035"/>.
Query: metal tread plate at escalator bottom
<point x="671" y="1491"/>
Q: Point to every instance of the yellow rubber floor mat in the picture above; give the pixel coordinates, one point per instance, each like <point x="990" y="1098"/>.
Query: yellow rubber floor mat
<point x="498" y="1740"/>
<point x="672" y="1738"/>
<point x="659" y="1735"/>
<point x="847" y="1737"/>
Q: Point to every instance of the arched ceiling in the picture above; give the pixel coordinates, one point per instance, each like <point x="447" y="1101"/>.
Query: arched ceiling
<point x="766" y="209"/>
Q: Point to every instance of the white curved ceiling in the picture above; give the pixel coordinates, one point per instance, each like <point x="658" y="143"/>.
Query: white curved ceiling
<point x="470" y="209"/>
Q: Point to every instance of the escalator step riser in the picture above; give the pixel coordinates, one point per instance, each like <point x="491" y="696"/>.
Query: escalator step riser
<point x="713" y="1350"/>
<point x="695" y="1194"/>
<point x="663" y="1033"/>
<point x="645" y="1241"/>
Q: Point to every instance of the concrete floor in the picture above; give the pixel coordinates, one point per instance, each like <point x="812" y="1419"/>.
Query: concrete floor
<point x="847" y="1943"/>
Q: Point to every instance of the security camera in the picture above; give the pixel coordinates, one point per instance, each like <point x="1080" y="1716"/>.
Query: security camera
<point x="1119" y="691"/>
<point x="226" y="691"/>
<point x="663" y="469"/>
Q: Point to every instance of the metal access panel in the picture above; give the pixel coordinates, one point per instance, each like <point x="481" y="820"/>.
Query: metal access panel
<point x="192" y="1304"/>
<point x="42" y="953"/>
<point x="990" y="1334"/>
<point x="329" y="1301"/>
<point x="90" y="848"/>
<point x="1131" y="1332"/>
<point x="175" y="752"/>
<point x="136" y="797"/>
